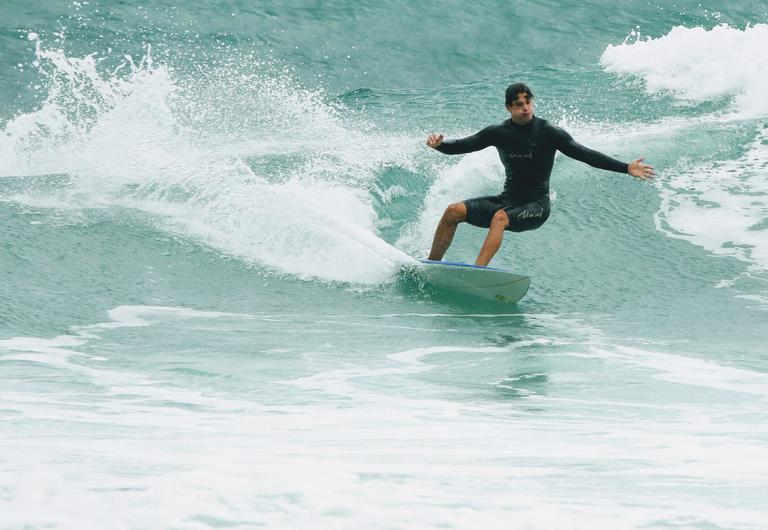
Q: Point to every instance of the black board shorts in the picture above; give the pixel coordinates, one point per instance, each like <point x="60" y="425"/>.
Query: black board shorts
<point x="522" y="217"/>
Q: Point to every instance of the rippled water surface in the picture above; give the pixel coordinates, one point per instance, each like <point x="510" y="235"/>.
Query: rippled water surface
<point x="204" y="212"/>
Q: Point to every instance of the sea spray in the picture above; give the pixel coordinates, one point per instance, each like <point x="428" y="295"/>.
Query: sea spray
<point x="695" y="64"/>
<point x="191" y="152"/>
<point x="720" y="205"/>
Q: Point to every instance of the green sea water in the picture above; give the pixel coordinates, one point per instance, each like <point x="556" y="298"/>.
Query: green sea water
<point x="204" y="214"/>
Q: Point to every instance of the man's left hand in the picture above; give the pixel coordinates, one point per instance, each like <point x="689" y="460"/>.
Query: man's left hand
<point x="639" y="170"/>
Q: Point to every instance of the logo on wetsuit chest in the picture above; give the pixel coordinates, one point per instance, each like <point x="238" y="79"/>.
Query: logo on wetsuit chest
<point x="521" y="155"/>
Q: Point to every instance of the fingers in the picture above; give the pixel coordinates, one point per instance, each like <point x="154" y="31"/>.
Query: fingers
<point x="640" y="170"/>
<point x="648" y="170"/>
<point x="433" y="140"/>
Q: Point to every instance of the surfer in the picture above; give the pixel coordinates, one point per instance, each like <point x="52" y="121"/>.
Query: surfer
<point x="526" y="146"/>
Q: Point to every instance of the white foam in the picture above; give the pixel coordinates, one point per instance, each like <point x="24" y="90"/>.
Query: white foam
<point x="182" y="149"/>
<point x="696" y="64"/>
<point x="60" y="353"/>
<point x="691" y="371"/>
<point x="370" y="454"/>
<point x="721" y="206"/>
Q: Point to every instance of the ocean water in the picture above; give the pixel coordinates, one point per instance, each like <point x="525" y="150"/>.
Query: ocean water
<point x="204" y="211"/>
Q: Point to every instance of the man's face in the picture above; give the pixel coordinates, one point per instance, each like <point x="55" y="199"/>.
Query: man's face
<point x="521" y="110"/>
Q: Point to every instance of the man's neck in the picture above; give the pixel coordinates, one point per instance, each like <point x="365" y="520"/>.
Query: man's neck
<point x="511" y="120"/>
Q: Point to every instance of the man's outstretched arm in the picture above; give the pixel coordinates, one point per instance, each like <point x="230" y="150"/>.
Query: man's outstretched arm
<point x="571" y="148"/>
<point x="476" y="142"/>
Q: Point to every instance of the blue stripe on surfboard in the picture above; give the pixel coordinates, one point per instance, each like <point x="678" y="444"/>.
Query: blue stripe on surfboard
<point x="456" y="264"/>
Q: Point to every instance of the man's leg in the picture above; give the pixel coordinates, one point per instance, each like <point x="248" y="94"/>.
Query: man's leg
<point x="492" y="242"/>
<point x="455" y="213"/>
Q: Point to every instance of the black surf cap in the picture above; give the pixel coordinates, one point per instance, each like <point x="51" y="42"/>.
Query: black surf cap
<point x="513" y="90"/>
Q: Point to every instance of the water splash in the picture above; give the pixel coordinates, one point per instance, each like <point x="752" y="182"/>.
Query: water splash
<point x="238" y="156"/>
<point x="720" y="205"/>
<point x="696" y="64"/>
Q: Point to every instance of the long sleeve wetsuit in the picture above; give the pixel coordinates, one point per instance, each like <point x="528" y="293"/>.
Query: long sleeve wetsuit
<point x="528" y="153"/>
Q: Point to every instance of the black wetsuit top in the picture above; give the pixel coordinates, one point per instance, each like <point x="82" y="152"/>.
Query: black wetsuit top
<point x="528" y="153"/>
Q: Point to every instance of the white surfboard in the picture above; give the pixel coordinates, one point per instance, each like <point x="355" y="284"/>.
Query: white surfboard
<point x="484" y="282"/>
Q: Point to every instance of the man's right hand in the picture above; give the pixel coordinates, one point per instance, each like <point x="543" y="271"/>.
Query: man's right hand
<point x="434" y="140"/>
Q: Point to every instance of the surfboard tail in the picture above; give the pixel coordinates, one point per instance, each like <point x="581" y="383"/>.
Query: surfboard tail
<point x="487" y="283"/>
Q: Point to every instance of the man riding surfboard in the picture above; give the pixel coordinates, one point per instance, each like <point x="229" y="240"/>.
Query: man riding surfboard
<point x="526" y="145"/>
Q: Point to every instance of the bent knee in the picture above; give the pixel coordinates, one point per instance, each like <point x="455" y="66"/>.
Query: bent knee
<point x="500" y="218"/>
<point x="456" y="212"/>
